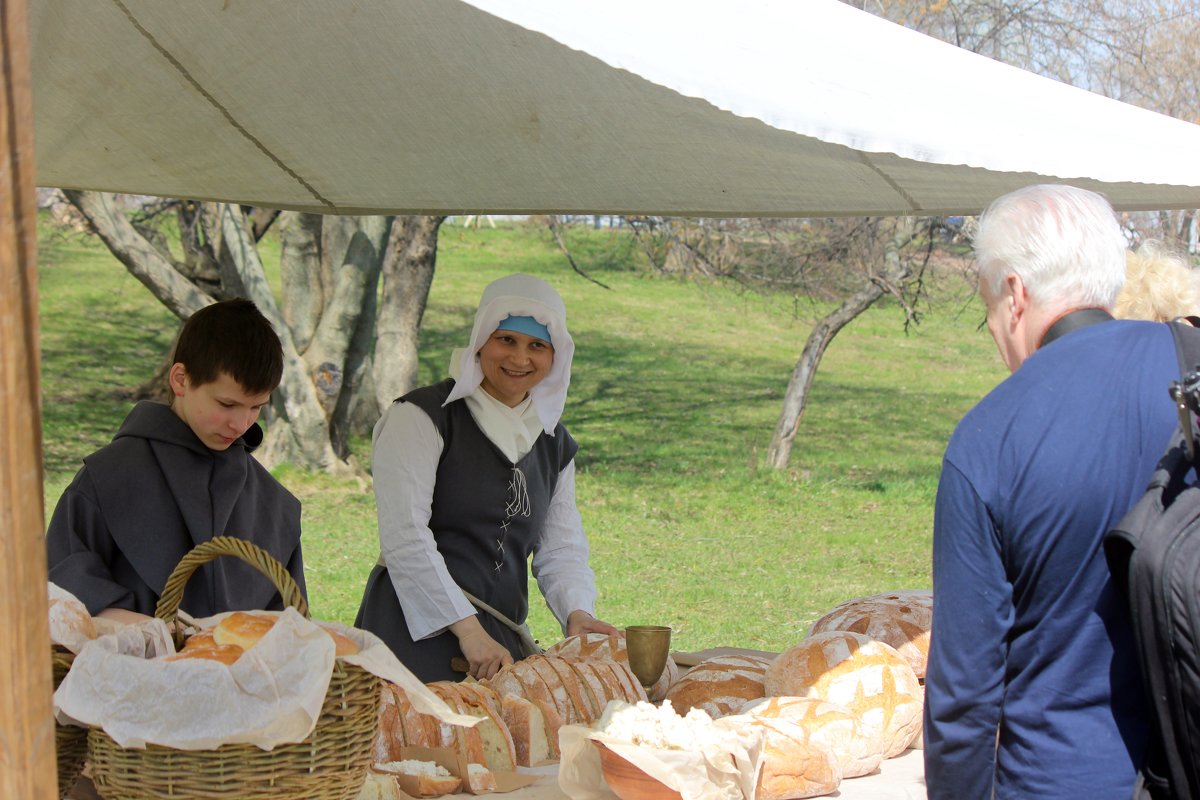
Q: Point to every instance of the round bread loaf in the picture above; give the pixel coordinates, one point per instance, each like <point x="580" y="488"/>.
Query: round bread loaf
<point x="794" y="765"/>
<point x="243" y="629"/>
<point x="901" y="619"/>
<point x="719" y="686"/>
<point x="225" y="653"/>
<point x="342" y="645"/>
<point x="612" y="647"/>
<point x="866" y="676"/>
<point x="857" y="747"/>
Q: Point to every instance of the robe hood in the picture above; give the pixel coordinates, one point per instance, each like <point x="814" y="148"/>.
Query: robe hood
<point x="157" y="422"/>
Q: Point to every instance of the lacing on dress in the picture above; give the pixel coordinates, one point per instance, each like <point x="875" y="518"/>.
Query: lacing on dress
<point x="516" y="505"/>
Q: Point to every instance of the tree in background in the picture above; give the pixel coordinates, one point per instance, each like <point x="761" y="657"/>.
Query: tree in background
<point x="1121" y="49"/>
<point x="853" y="262"/>
<point x="349" y="343"/>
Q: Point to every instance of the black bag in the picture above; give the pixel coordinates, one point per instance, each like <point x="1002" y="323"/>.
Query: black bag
<point x="1154" y="556"/>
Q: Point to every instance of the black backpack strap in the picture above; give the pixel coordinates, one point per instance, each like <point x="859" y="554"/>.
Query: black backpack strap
<point x="1186" y="332"/>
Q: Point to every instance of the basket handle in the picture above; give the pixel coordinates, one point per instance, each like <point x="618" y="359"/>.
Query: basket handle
<point x="252" y="554"/>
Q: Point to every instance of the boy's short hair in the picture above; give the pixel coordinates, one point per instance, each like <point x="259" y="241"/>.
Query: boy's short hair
<point x="233" y="337"/>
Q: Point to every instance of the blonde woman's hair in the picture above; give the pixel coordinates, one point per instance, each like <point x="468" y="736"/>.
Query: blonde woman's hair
<point x="1160" y="285"/>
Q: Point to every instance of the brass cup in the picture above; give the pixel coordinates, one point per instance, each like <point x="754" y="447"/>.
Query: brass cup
<point x="648" y="647"/>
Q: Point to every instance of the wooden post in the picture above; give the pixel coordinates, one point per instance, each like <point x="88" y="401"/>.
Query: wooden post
<point x="27" y="764"/>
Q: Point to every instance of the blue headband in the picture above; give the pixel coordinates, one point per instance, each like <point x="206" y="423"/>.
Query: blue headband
<point x="526" y="325"/>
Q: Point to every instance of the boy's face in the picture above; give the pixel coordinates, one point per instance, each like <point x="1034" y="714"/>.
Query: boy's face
<point x="218" y="412"/>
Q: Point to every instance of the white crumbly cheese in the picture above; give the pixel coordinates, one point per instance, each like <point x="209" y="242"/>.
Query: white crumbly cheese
<point x="413" y="767"/>
<point x="660" y="727"/>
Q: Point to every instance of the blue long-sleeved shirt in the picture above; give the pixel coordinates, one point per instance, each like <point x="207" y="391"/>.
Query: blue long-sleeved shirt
<point x="1029" y="638"/>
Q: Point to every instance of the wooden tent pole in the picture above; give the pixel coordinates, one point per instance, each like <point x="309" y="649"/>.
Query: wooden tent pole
<point x="27" y="763"/>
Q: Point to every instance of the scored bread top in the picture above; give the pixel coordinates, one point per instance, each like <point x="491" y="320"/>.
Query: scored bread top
<point x="902" y="619"/>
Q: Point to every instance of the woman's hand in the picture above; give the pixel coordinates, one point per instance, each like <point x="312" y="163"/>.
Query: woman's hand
<point x="580" y="621"/>
<point x="485" y="655"/>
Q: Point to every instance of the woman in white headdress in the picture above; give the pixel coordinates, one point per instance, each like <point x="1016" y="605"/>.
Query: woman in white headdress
<point x="473" y="476"/>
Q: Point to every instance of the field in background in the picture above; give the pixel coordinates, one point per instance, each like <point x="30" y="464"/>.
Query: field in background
<point x="675" y="391"/>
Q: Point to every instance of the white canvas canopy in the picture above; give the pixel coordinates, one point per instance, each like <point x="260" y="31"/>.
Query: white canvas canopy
<point x="676" y="107"/>
<point x="696" y="107"/>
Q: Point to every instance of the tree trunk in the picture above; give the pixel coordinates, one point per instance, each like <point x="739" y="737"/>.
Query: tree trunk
<point x="303" y="278"/>
<point x="407" y="276"/>
<point x="327" y="316"/>
<point x="340" y="353"/>
<point x="140" y="257"/>
<point x="895" y="271"/>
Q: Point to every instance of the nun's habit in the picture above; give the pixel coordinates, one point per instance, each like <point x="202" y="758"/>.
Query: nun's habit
<point x="467" y="490"/>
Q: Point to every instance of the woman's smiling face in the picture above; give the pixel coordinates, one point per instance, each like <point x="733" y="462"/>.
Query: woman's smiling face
<point x="513" y="363"/>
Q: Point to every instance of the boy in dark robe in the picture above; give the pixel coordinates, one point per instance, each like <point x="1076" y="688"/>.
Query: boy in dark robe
<point x="178" y="474"/>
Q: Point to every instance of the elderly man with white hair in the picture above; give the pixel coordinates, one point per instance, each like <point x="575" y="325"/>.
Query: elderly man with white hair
<point x="1033" y="687"/>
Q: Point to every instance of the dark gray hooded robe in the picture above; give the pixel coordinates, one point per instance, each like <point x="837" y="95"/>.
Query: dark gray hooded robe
<point x="142" y="502"/>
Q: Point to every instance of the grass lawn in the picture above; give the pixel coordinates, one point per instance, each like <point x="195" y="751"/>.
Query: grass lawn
<point x="675" y="390"/>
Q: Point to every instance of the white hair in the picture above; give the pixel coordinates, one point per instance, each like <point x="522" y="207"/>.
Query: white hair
<point x="1064" y="242"/>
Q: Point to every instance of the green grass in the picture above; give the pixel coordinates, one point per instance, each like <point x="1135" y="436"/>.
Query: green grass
<point x="675" y="390"/>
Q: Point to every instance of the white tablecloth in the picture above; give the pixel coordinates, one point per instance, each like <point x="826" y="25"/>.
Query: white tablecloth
<point x="899" y="778"/>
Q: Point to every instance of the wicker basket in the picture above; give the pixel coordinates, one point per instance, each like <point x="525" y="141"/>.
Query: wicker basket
<point x="331" y="764"/>
<point x="70" y="741"/>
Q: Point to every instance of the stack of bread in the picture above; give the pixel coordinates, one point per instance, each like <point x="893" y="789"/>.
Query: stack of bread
<point x="849" y="669"/>
<point x="612" y="647"/>
<point x="522" y="709"/>
<point x="576" y="689"/>
<point x="901" y="619"/>
<point x="487" y="744"/>
<point x="238" y="632"/>
<point x="794" y="765"/>
<point x="720" y="685"/>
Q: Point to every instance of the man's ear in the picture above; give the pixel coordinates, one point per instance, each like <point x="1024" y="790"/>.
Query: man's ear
<point x="1016" y="296"/>
<point x="177" y="379"/>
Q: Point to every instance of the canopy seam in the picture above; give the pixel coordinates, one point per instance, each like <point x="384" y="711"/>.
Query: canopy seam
<point x="182" y="70"/>
<point x="913" y="206"/>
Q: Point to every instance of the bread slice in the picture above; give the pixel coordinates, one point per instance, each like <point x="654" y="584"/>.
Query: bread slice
<point x="590" y="687"/>
<point x="553" y="722"/>
<point x="527" y="726"/>
<point x="631" y="688"/>
<point x="389" y="735"/>
<point x="425" y="777"/>
<point x="380" y="786"/>
<point x="581" y="713"/>
<point x="498" y="749"/>
<point x="560" y="698"/>
<point x="480" y="779"/>
<point x="467" y="741"/>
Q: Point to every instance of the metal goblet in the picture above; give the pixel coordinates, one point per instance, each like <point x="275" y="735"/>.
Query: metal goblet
<point x="648" y="647"/>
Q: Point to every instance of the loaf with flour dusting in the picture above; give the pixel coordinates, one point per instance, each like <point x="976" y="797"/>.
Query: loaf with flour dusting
<point x="901" y="619"/>
<point x="866" y="676"/>
<point x="857" y="747"/>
